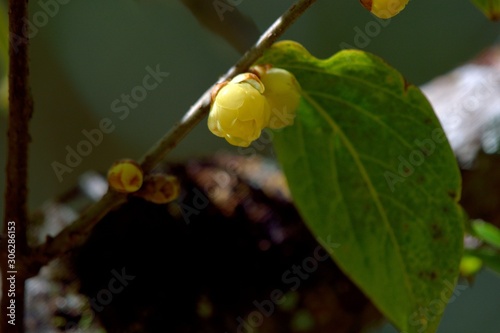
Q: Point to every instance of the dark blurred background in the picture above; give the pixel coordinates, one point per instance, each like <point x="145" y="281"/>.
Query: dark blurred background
<point x="86" y="54"/>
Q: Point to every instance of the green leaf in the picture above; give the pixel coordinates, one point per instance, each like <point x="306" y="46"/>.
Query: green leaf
<point x="486" y="232"/>
<point x="370" y="168"/>
<point x="490" y="8"/>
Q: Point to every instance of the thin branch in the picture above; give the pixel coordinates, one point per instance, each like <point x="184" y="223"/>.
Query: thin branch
<point x="65" y="240"/>
<point x="77" y="232"/>
<point x="16" y="190"/>
<point x="201" y="108"/>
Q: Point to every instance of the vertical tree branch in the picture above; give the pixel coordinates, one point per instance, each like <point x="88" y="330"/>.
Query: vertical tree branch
<point x="18" y="138"/>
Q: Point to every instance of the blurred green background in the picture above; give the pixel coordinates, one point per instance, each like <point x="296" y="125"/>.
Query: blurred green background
<point x="88" y="53"/>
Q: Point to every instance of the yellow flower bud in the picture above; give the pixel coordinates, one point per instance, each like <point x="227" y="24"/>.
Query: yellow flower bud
<point x="125" y="176"/>
<point x="160" y="188"/>
<point x="283" y="95"/>
<point x="239" y="111"/>
<point x="384" y="8"/>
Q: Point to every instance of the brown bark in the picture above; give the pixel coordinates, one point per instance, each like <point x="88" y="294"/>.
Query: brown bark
<point x="20" y="111"/>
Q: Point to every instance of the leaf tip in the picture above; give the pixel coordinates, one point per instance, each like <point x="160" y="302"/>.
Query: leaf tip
<point x="291" y="45"/>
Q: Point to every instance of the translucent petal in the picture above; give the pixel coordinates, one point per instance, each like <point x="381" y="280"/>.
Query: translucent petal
<point x="237" y="141"/>
<point x="231" y="96"/>
<point x="227" y="118"/>
<point x="212" y="124"/>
